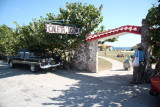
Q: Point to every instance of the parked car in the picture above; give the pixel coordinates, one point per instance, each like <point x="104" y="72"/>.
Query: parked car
<point x="155" y="85"/>
<point x="35" y="59"/>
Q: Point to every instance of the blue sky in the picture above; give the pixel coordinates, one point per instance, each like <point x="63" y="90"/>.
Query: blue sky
<point x="115" y="13"/>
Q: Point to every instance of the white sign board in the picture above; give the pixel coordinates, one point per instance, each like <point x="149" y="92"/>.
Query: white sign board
<point x="61" y="29"/>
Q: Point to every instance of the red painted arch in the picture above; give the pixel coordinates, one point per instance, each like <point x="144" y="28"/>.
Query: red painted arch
<point x="116" y="32"/>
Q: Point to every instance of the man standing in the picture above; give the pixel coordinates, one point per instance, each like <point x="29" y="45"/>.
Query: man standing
<point x="138" y="71"/>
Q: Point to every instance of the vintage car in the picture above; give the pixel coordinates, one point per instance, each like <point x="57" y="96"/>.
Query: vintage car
<point x="155" y="85"/>
<point x="35" y="59"/>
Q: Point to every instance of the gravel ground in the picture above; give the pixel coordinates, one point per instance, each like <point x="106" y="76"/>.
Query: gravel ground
<point x="21" y="88"/>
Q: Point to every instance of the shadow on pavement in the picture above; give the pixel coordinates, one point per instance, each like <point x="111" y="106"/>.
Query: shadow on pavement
<point x="91" y="91"/>
<point x="103" y="91"/>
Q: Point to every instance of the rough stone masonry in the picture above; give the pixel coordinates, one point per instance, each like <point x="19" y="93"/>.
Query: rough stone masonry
<point x="86" y="56"/>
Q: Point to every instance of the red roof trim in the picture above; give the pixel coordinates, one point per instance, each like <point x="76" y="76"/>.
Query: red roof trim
<point x="127" y="28"/>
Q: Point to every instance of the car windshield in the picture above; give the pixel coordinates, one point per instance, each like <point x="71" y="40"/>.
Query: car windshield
<point x="21" y="53"/>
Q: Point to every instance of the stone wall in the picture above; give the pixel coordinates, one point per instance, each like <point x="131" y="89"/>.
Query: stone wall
<point x="86" y="56"/>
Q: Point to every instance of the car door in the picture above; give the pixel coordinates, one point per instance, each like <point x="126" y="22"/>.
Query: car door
<point x="18" y="58"/>
<point x="26" y="57"/>
<point x="22" y="56"/>
<point x="158" y="84"/>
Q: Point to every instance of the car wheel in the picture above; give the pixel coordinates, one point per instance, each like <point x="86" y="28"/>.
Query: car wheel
<point x="153" y="93"/>
<point x="11" y="65"/>
<point x="33" y="68"/>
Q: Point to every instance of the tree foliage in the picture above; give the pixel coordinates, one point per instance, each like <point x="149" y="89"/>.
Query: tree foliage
<point x="86" y="17"/>
<point x="7" y="40"/>
<point x="153" y="19"/>
<point x="34" y="35"/>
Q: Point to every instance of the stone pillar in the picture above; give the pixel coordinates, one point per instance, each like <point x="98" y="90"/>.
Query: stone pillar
<point x="86" y="56"/>
<point x="146" y="47"/>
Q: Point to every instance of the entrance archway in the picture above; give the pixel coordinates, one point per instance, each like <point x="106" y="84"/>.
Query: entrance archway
<point x="86" y="55"/>
<point x="115" y="33"/>
<point x="123" y="30"/>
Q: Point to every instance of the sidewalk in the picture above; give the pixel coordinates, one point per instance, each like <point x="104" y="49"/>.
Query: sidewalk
<point x="116" y="75"/>
<point x="116" y="65"/>
<point x="117" y="68"/>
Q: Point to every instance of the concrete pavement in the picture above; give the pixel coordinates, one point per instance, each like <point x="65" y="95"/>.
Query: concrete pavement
<point x="20" y="88"/>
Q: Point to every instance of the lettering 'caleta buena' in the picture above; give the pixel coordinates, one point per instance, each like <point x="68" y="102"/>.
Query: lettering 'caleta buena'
<point x="50" y="28"/>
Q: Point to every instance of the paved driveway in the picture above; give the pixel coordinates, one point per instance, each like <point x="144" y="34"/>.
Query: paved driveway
<point x="21" y="88"/>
